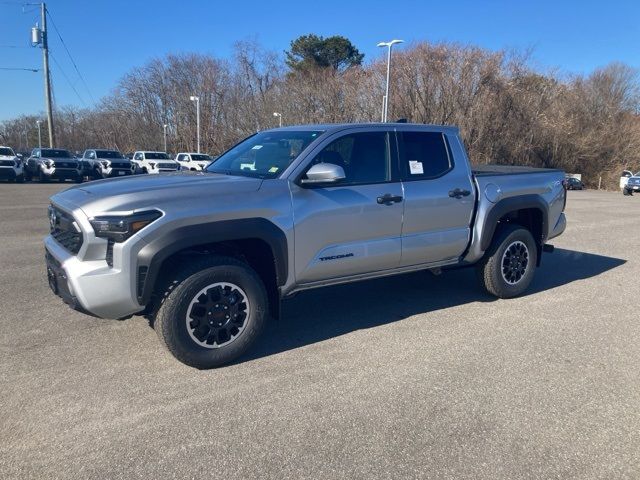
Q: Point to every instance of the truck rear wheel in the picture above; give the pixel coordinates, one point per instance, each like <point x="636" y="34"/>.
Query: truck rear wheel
<point x="212" y="312"/>
<point x="509" y="265"/>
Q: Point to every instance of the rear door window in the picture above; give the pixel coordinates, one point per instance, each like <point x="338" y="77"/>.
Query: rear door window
<point x="424" y="155"/>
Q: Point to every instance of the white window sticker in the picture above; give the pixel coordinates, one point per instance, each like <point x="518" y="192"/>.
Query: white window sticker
<point x="256" y="147"/>
<point x="415" y="167"/>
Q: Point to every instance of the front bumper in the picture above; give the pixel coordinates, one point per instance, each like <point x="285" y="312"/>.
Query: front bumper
<point x="116" y="172"/>
<point x="62" y="173"/>
<point x="91" y="286"/>
<point x="9" y="173"/>
<point x="633" y="188"/>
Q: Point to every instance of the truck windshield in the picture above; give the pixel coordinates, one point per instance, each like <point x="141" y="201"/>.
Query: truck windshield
<point x="264" y="155"/>
<point x="156" y="156"/>
<point x="108" y="154"/>
<point x="6" y="152"/>
<point x="50" y="153"/>
<point x="196" y="156"/>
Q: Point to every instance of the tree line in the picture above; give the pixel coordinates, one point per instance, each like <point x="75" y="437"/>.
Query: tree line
<point x="508" y="112"/>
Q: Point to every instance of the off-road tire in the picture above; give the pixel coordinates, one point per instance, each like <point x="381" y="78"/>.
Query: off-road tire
<point x="490" y="268"/>
<point x="626" y="192"/>
<point x="182" y="286"/>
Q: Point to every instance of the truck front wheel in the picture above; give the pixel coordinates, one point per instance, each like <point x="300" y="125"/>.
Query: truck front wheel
<point x="509" y="265"/>
<point x="212" y="312"/>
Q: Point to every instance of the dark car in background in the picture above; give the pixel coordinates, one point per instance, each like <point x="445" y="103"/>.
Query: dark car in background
<point x="574" y="184"/>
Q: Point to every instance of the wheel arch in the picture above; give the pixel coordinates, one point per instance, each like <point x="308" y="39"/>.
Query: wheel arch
<point x="256" y="241"/>
<point x="529" y="211"/>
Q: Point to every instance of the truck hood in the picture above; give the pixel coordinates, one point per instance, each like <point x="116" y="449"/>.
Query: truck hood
<point x="163" y="191"/>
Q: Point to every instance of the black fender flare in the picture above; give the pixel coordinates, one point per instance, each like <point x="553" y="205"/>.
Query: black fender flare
<point x="513" y="204"/>
<point x="154" y="253"/>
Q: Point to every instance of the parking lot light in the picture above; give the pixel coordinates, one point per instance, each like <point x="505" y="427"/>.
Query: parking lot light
<point x="385" y="108"/>
<point x="193" y="98"/>
<point x="279" y="115"/>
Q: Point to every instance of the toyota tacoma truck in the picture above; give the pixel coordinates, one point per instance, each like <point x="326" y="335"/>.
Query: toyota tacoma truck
<point x="193" y="161"/>
<point x="106" y="163"/>
<point x="209" y="255"/>
<point x="153" y="162"/>
<point x="52" y="163"/>
<point x="11" y="167"/>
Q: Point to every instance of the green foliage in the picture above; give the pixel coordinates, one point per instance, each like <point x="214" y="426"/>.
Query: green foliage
<point x="311" y="51"/>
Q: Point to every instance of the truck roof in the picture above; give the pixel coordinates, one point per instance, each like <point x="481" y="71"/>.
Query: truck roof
<point x="326" y="127"/>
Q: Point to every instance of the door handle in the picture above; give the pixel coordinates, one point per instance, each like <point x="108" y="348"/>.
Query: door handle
<point x="459" y="193"/>
<point x="388" y="199"/>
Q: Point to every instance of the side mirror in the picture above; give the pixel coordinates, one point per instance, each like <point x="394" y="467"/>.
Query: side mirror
<point x="323" y="173"/>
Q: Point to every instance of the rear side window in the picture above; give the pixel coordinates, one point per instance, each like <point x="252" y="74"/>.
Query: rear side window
<point x="424" y="155"/>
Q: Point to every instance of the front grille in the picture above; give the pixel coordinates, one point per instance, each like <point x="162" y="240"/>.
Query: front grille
<point x="7" y="163"/>
<point x="120" y="165"/>
<point x="65" y="230"/>
<point x="172" y="166"/>
<point x="65" y="164"/>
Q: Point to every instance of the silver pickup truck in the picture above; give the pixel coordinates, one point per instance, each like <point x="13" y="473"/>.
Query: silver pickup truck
<point x="209" y="255"/>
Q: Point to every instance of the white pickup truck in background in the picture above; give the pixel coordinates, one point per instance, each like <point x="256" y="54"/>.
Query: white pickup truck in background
<point x="153" y="162"/>
<point x="193" y="161"/>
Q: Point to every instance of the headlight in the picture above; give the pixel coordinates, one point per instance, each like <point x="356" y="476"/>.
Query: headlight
<point x="48" y="163"/>
<point x="119" y="228"/>
<point x="152" y="164"/>
<point x="105" y="163"/>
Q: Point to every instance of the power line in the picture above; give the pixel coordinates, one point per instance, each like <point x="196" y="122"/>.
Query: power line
<point x="19" y="68"/>
<point x="67" y="78"/>
<point x="70" y="57"/>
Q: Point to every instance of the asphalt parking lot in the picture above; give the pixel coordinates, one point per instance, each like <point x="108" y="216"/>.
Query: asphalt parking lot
<point x="413" y="376"/>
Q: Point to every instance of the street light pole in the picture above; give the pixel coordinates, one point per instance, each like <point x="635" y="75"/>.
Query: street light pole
<point x="197" y="100"/>
<point x="38" y="122"/>
<point x="165" y="137"/>
<point x="279" y="115"/>
<point x="390" y="44"/>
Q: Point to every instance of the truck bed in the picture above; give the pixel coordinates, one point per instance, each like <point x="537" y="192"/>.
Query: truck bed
<point x="485" y="170"/>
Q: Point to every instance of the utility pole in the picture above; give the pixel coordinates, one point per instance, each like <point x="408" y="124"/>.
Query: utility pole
<point x="47" y="74"/>
<point x="39" y="36"/>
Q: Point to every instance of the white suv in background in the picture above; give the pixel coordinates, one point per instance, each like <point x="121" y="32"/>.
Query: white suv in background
<point x="193" y="161"/>
<point x="153" y="162"/>
<point x="11" y="167"/>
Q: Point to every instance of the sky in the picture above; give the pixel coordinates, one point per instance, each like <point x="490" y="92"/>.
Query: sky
<point x="108" y="38"/>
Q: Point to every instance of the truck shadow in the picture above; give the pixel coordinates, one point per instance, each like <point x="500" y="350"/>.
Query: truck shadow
<point x="325" y="313"/>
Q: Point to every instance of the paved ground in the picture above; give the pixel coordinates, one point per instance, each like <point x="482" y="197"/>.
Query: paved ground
<point x="406" y="377"/>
